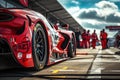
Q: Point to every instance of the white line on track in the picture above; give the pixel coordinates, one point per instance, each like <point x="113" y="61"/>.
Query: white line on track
<point x="111" y="52"/>
<point x="96" y="69"/>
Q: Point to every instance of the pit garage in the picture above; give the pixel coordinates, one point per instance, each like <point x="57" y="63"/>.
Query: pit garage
<point x="87" y="64"/>
<point x="54" y="12"/>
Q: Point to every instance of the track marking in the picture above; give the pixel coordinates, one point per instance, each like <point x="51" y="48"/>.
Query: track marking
<point x="64" y="68"/>
<point x="95" y="70"/>
<point x="111" y="52"/>
<point x="114" y="70"/>
<point x="56" y="71"/>
<point x="70" y="70"/>
<point x="98" y="70"/>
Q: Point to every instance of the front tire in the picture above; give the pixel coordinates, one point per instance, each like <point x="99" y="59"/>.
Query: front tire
<point x="39" y="47"/>
<point x="72" y="48"/>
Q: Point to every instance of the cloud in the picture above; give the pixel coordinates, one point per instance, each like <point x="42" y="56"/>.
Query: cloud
<point x="115" y="0"/>
<point x="93" y="24"/>
<point x="75" y="2"/>
<point x="97" y="16"/>
<point x="91" y="13"/>
<point x="68" y="3"/>
<point x="74" y="11"/>
<point x="106" y="4"/>
<point x="113" y="18"/>
<point x="105" y="11"/>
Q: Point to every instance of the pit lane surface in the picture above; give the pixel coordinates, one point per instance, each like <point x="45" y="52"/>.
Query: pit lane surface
<point x="86" y="63"/>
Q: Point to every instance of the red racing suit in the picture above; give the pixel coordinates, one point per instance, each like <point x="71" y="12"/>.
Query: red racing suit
<point x="84" y="39"/>
<point x="103" y="37"/>
<point x="94" y="39"/>
<point x="88" y="40"/>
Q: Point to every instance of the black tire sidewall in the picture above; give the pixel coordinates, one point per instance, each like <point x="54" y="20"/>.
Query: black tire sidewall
<point x="37" y="63"/>
<point x="71" y="52"/>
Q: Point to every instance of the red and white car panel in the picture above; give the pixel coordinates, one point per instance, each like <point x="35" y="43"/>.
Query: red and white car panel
<point x="27" y="39"/>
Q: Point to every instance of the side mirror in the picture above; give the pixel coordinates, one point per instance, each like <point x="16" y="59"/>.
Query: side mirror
<point x="65" y="26"/>
<point x="24" y="2"/>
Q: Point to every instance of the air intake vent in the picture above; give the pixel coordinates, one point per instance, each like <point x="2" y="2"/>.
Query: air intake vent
<point x="5" y="17"/>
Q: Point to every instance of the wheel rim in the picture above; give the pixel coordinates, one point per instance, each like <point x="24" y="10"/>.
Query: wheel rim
<point x="40" y="45"/>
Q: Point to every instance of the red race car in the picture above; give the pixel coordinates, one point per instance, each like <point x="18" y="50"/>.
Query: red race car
<point x="27" y="39"/>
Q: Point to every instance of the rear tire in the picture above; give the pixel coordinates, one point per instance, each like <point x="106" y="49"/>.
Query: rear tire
<point x="72" y="48"/>
<point x="39" y="47"/>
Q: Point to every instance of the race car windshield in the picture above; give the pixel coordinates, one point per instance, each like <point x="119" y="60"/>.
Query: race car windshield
<point x="10" y="4"/>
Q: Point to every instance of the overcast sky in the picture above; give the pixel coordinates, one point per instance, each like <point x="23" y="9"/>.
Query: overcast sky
<point x="94" y="14"/>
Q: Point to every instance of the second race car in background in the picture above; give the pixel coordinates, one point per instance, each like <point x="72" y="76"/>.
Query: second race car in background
<point x="28" y="40"/>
